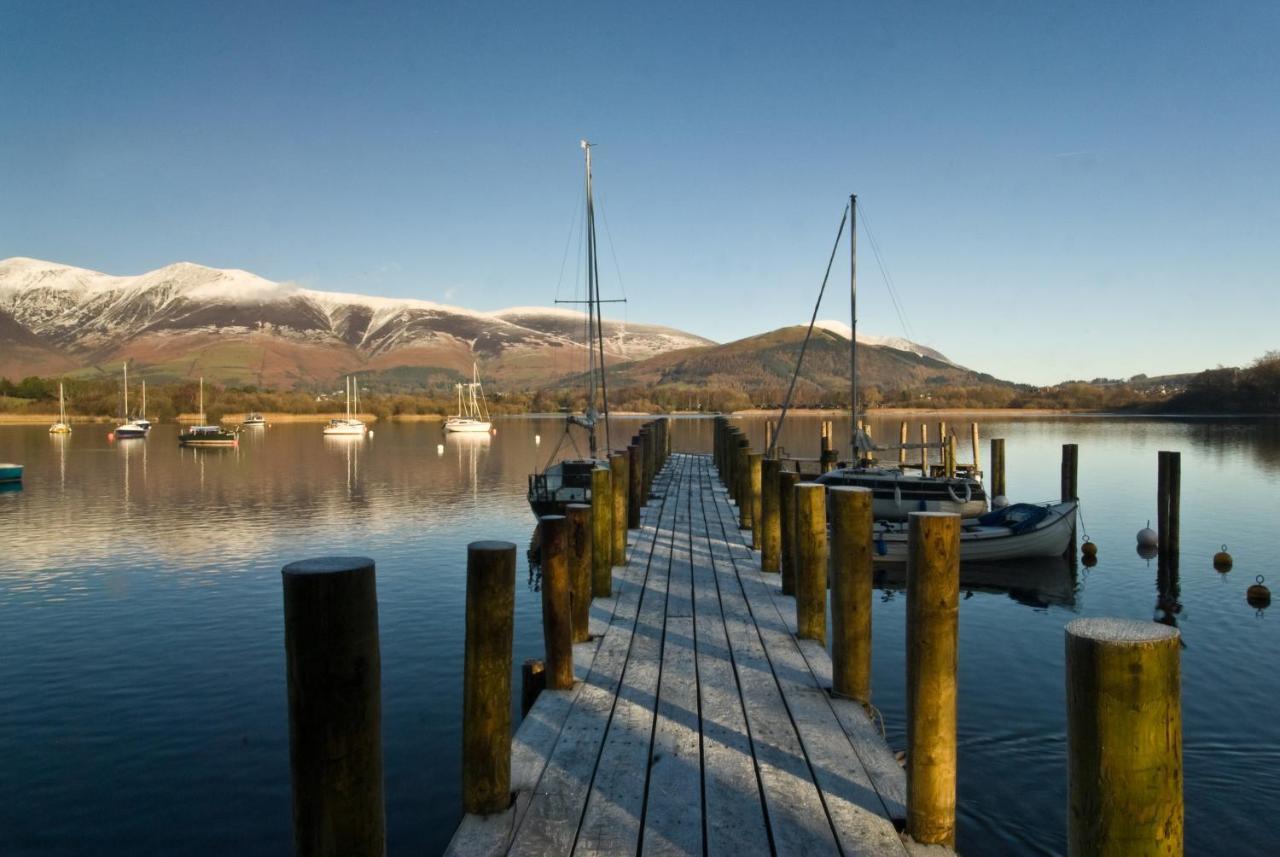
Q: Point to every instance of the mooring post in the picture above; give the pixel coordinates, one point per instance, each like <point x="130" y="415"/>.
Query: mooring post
<point x="811" y="561"/>
<point x="973" y="442"/>
<point x="787" y="482"/>
<point x="933" y="611"/>
<point x="557" y="602"/>
<point x="646" y="456"/>
<point x="755" y="467"/>
<point x="651" y="458"/>
<point x="1070" y="465"/>
<point x="770" y="524"/>
<point x="743" y="477"/>
<point x="997" y="468"/>
<point x="621" y="490"/>
<point x="951" y="456"/>
<point x="601" y="532"/>
<point x="579" y="550"/>
<point x="924" y="449"/>
<point x="635" y="498"/>
<point x="533" y="680"/>
<point x="768" y="435"/>
<point x="486" y="694"/>
<point x="902" y="444"/>
<point x="334" y="675"/>
<point x="851" y="523"/>
<point x="1168" y="502"/>
<point x="1124" y="739"/>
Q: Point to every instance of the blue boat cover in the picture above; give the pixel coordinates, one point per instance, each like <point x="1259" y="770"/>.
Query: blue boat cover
<point x="1019" y="518"/>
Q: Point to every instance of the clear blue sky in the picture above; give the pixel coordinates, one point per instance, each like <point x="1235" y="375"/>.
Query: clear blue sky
<point x="1059" y="190"/>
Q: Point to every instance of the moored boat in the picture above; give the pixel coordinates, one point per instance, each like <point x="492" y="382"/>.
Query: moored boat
<point x="130" y="429"/>
<point x="10" y="472"/>
<point x="895" y="494"/>
<point x="350" y="424"/>
<point x="473" y="410"/>
<point x="1015" y="532"/>
<point x="61" y="426"/>
<point x="254" y="420"/>
<point x="203" y="435"/>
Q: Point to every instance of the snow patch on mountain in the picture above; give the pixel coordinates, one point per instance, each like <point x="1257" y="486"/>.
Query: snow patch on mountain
<point x="844" y="331"/>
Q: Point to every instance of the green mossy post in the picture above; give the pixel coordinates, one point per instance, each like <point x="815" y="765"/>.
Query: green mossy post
<point x="602" y="532"/>
<point x="770" y="526"/>
<point x="811" y="561"/>
<point x="579" y="549"/>
<point x="787" y="482"/>
<point x="557" y="615"/>
<point x="755" y="477"/>
<point x="933" y="614"/>
<point x="621" y="491"/>
<point x="851" y="592"/>
<point x="335" y="706"/>
<point x="1124" y="739"/>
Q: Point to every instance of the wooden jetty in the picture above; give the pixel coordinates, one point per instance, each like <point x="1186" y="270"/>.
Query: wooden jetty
<point x="699" y="723"/>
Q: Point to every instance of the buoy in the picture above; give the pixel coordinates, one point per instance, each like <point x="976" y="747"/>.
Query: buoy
<point x="1088" y="548"/>
<point x="537" y="440"/>
<point x="1222" y="560"/>
<point x="999" y="501"/>
<point x="1147" y="537"/>
<point x="1089" y="560"/>
<point x="439" y="449"/>
<point x="111" y="435"/>
<point x="371" y="434"/>
<point x="1148" y="551"/>
<point x="1258" y="595"/>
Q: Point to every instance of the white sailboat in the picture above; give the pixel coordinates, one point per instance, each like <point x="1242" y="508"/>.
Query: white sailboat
<point x="142" y="415"/>
<point x="203" y="435"/>
<point x="350" y="424"/>
<point x="473" y="410"/>
<point x="129" y="430"/>
<point x="61" y="426"/>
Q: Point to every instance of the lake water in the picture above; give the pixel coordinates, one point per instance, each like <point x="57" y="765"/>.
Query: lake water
<point x="142" y="685"/>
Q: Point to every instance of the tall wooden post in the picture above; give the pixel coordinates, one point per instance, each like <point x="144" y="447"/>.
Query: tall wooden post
<point x="851" y="592"/>
<point x="557" y="604"/>
<point x="335" y="705"/>
<point x="1168" y="502"/>
<point x="578" y="547"/>
<point x="533" y="680"/>
<point x="602" y="532"/>
<point x="977" y="455"/>
<point x="755" y="462"/>
<point x="933" y="611"/>
<point x="621" y="488"/>
<point x="1124" y="739"/>
<point x="924" y="449"/>
<point x="787" y="482"/>
<point x="1070" y="474"/>
<point x="768" y="435"/>
<point x="635" y="498"/>
<point x="902" y="444"/>
<point x="742" y="474"/>
<point x="770" y="524"/>
<point x="811" y="561"/>
<point x="951" y="456"/>
<point x="646" y="462"/>
<point x="997" y="468"/>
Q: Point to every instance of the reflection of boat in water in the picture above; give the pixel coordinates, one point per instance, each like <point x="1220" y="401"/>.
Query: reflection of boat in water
<point x="1015" y="532"/>
<point x="473" y="410"/>
<point x="1036" y="582"/>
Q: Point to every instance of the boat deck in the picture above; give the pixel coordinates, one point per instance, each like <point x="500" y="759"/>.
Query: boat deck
<point x="699" y="723"/>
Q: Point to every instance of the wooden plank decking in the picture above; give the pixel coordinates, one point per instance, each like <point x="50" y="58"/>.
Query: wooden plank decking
<point x="699" y="724"/>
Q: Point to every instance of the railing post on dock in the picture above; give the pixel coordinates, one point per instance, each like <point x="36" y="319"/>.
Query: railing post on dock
<point x="997" y="468"/>
<point x="977" y="455"/>
<point x="851" y="523"/>
<point x="646" y="456"/>
<point x="770" y="526"/>
<point x="787" y="482"/>
<point x="902" y="444"/>
<point x="335" y="705"/>
<point x="742" y="476"/>
<point x="621" y="488"/>
<point x="1169" y="502"/>
<point x="1124" y="739"/>
<point x="933" y="611"/>
<point x="811" y="561"/>
<point x="486" y="694"/>
<point x="557" y="619"/>
<point x="924" y="449"/>
<point x="578" y="546"/>
<point x="533" y="680"/>
<point x="635" y="487"/>
<point x="755" y="466"/>
<point x="601" y="532"/>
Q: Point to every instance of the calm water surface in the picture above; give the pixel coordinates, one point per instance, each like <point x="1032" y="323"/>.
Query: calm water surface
<point x="142" y="695"/>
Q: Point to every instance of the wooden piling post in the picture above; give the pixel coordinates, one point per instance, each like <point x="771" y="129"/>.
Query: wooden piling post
<point x="486" y="706"/>
<point x="770" y="522"/>
<point x="742" y="473"/>
<point x="755" y="475"/>
<point x="811" y="561"/>
<point x="1124" y="739"/>
<point x="646" y="460"/>
<point x="851" y="592"/>
<point x="557" y="602"/>
<point x="924" y="449"/>
<point x="950" y="458"/>
<point x="635" y="498"/>
<point x="1169" y="502"/>
<point x="602" y="532"/>
<point x="933" y="610"/>
<point x="334" y="676"/>
<point x="787" y="482"/>
<point x="533" y="680"/>
<point x="621" y="490"/>
<point x="580" y="553"/>
<point x="973" y="442"/>
<point x="997" y="468"/>
<point x="902" y="444"/>
<point x="1070" y="467"/>
<point x="768" y="435"/>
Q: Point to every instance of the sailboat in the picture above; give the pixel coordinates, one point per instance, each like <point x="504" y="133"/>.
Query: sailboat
<point x="130" y="430"/>
<point x="203" y="435"/>
<point x="895" y="494"/>
<point x="569" y="481"/>
<point x="349" y="425"/>
<point x="142" y="415"/>
<point x="61" y="426"/>
<point x="473" y="410"/>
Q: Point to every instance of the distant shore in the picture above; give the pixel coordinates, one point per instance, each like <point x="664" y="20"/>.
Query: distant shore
<point x="912" y="412"/>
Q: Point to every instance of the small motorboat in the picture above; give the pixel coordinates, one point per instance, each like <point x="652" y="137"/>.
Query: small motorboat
<point x="254" y="420"/>
<point x="895" y="495"/>
<point x="207" y="436"/>
<point x="10" y="472"/>
<point x="562" y="483"/>
<point x="1018" y="531"/>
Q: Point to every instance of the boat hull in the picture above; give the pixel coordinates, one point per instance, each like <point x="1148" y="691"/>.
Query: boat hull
<point x="130" y="432"/>
<point x="894" y="496"/>
<point x="979" y="543"/>
<point x="10" y="472"/>
<point x="345" y="430"/>
<point x="59" y="428"/>
<point x="454" y="424"/>
<point x="563" y="483"/>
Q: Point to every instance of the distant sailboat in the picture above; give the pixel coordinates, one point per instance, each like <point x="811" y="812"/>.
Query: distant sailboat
<point x="142" y="415"/>
<point x="349" y="425"/>
<point x="130" y="430"/>
<point x="473" y="410"/>
<point x="203" y="435"/>
<point x="61" y="426"/>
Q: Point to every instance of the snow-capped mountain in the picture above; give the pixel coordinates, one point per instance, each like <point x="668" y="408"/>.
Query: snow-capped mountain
<point x="839" y="328"/>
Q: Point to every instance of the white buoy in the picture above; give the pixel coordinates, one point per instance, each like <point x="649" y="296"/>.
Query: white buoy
<point x="439" y="449"/>
<point x="371" y="434"/>
<point x="999" y="501"/>
<point x="537" y="440"/>
<point x="1147" y="537"/>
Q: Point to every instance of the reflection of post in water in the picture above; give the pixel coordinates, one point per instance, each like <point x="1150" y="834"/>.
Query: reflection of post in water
<point x="1168" y="590"/>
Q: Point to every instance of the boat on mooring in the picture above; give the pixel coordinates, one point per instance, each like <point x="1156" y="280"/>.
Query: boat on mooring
<point x="473" y="410"/>
<point x="350" y="425"/>
<point x="254" y="420"/>
<point x="61" y="426"/>
<point x="130" y="429"/>
<point x="1019" y="531"/>
<point x="10" y="473"/>
<point x="569" y="480"/>
<point x="204" y="435"/>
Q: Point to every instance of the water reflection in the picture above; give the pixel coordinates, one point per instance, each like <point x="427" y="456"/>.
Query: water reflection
<point x="1038" y="582"/>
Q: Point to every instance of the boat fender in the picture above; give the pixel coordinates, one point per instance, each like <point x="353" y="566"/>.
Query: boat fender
<point x="881" y="547"/>
<point x="897" y="495"/>
<point x="1088" y="548"/>
<point x="999" y="501"/>
<point x="1089" y="560"/>
<point x="1147" y="537"/>
<point x="1258" y="595"/>
<point x="968" y="493"/>
<point x="1222" y="560"/>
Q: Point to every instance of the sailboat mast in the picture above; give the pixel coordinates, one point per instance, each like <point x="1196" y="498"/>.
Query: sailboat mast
<point x="144" y="398"/>
<point x="62" y="408"/>
<point x="854" y="452"/>
<point x="591" y="302"/>
<point x="202" y="419"/>
<point x="126" y="391"/>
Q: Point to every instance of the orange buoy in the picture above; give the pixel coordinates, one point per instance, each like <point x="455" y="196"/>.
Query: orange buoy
<point x="1222" y="560"/>
<point x="1089" y="560"/>
<point x="1258" y="595"/>
<point x="1088" y="548"/>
